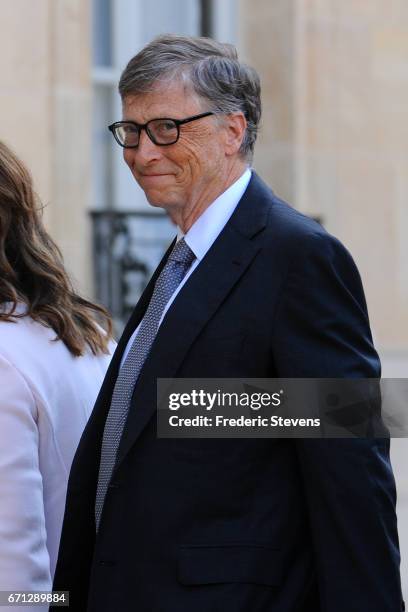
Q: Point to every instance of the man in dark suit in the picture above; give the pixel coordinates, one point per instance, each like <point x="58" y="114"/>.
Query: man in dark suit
<point x="251" y="288"/>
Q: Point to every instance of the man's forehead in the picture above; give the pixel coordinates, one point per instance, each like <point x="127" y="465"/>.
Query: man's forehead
<point x="164" y="100"/>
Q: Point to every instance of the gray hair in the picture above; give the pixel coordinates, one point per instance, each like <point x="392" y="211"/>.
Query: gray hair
<point x="211" y="68"/>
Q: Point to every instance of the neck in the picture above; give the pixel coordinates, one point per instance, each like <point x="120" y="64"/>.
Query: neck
<point x="185" y="217"/>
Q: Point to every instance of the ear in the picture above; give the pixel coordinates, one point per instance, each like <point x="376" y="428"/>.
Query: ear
<point x="235" y="126"/>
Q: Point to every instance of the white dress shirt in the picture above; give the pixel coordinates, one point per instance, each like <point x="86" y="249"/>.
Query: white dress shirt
<point x="203" y="233"/>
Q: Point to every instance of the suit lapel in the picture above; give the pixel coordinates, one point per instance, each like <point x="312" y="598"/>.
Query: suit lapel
<point x="222" y="267"/>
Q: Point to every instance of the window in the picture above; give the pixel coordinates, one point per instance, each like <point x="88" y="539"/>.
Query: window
<point x="120" y="28"/>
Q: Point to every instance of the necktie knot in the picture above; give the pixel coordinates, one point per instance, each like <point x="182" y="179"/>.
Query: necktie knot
<point x="182" y="253"/>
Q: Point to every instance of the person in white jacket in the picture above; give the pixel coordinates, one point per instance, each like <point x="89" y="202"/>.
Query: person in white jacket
<point x="53" y="358"/>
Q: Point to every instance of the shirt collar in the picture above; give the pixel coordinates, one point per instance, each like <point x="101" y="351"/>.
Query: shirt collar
<point x="206" y="229"/>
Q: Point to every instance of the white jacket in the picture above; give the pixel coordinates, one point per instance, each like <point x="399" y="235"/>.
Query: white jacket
<point x="46" y="397"/>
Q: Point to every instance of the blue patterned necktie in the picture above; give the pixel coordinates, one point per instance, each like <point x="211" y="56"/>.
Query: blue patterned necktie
<point x="179" y="261"/>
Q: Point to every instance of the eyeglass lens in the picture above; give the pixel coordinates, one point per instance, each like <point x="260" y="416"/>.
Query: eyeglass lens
<point x="160" y="131"/>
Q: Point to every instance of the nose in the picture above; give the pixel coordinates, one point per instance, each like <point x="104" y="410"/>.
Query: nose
<point x="145" y="153"/>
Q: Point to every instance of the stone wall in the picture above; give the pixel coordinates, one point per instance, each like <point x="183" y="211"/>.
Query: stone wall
<point x="334" y="138"/>
<point x="45" y="99"/>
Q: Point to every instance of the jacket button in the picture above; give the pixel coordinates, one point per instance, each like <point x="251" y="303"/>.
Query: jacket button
<point x="106" y="562"/>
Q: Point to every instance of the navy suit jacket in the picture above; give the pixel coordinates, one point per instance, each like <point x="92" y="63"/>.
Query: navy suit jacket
<point x="241" y="525"/>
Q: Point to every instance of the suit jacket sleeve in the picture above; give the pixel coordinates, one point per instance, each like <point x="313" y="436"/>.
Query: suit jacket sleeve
<point x="24" y="559"/>
<point x="322" y="330"/>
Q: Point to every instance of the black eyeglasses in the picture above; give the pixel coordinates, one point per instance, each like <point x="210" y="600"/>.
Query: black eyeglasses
<point x="162" y="131"/>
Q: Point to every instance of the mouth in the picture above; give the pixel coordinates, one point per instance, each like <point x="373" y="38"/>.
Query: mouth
<point x="147" y="180"/>
<point x="153" y="175"/>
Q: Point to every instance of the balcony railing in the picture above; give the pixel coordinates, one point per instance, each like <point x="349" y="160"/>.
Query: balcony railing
<point x="127" y="247"/>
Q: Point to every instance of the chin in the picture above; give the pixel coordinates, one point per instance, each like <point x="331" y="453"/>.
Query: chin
<point x="155" y="203"/>
<point x="153" y="197"/>
<point x="160" y="200"/>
